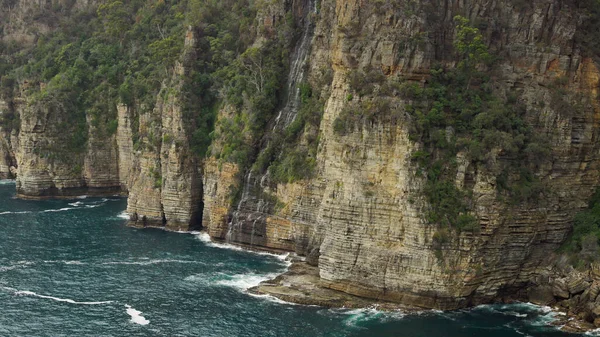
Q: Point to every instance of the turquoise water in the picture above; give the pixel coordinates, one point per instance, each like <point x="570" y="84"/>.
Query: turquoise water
<point x="72" y="268"/>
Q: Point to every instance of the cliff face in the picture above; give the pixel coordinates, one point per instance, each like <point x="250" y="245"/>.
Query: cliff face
<point x="163" y="175"/>
<point x="361" y="216"/>
<point x="8" y="143"/>
<point x="375" y="242"/>
<point x="47" y="166"/>
<point x="360" y="212"/>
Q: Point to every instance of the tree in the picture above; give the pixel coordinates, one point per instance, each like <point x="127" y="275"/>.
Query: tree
<point x="470" y="45"/>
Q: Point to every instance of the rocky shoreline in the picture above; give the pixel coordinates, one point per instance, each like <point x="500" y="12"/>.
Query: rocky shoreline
<point x="301" y="284"/>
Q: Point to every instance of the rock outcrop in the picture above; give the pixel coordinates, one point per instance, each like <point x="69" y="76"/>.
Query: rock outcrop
<point x="165" y="189"/>
<point x="48" y="166"/>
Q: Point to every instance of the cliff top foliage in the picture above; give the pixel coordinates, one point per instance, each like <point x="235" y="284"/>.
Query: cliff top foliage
<point x="123" y="52"/>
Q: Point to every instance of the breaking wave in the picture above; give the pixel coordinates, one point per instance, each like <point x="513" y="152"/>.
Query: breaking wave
<point x="245" y="281"/>
<point x="205" y="238"/>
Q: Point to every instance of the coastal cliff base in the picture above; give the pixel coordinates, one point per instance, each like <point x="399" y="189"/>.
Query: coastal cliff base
<point x="301" y="284"/>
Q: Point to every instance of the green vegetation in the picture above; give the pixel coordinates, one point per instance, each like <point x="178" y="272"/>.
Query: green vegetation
<point x="122" y="52"/>
<point x="587" y="35"/>
<point x="582" y="245"/>
<point x="299" y="142"/>
<point x="458" y="112"/>
<point x="455" y="112"/>
<point x="254" y="85"/>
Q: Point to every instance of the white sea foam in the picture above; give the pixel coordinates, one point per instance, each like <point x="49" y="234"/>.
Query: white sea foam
<point x="82" y="197"/>
<point x="136" y="316"/>
<point x="58" y="299"/>
<point x="123" y="215"/>
<point x="595" y="332"/>
<point x="18" y="212"/>
<point x="77" y="203"/>
<point x="204" y="237"/>
<point x="74" y="262"/>
<point x="7" y="182"/>
<point x="7" y="268"/>
<point x="274" y="299"/>
<point x="155" y="261"/>
<point x="366" y="314"/>
<point x="70" y="262"/>
<point x="187" y="232"/>
<point x="59" y="209"/>
<point x="246" y="281"/>
<point x="17" y="265"/>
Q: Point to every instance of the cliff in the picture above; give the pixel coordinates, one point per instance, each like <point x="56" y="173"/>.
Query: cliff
<point x="165" y="187"/>
<point x="432" y="153"/>
<point x="361" y="217"/>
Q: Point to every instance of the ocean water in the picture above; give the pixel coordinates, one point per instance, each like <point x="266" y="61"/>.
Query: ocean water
<point x="72" y="268"/>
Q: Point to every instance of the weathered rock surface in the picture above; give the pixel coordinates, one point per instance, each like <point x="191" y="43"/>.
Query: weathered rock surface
<point x="362" y="214"/>
<point x="302" y="284"/>
<point x="48" y="167"/>
<point x="165" y="189"/>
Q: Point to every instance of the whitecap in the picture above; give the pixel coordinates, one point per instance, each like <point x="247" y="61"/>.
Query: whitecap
<point x="82" y="197"/>
<point x="7" y="268"/>
<point x="70" y="262"/>
<point x="136" y="316"/>
<point x="7" y="182"/>
<point x="59" y="209"/>
<point x="77" y="203"/>
<point x="74" y="262"/>
<point x="154" y="261"/>
<point x="58" y="299"/>
<point x="18" y="212"/>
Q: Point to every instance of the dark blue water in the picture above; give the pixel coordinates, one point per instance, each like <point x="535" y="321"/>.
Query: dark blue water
<point x="72" y="268"/>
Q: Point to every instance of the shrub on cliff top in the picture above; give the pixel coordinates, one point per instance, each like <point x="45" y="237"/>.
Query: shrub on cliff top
<point x="582" y="243"/>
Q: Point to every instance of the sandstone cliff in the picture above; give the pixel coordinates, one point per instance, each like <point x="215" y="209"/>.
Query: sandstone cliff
<point x="352" y="200"/>
<point x="361" y="216"/>
<point x="165" y="187"/>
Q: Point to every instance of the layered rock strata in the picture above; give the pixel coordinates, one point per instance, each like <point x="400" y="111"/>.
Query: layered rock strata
<point x="165" y="186"/>
<point x="361" y="217"/>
